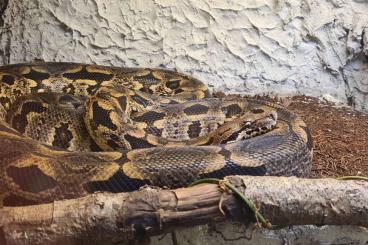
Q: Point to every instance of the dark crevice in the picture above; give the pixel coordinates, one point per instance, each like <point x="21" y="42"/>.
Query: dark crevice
<point x="232" y="239"/>
<point x="5" y="51"/>
<point x="2" y="236"/>
<point x="3" y="6"/>
<point x="348" y="93"/>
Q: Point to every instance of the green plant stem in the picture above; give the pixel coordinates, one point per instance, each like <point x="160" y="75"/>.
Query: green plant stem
<point x="353" y="178"/>
<point x="249" y="203"/>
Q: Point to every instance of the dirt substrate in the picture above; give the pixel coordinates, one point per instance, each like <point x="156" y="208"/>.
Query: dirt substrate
<point x="340" y="136"/>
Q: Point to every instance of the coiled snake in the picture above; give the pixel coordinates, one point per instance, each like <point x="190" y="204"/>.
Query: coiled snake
<point x="69" y="129"/>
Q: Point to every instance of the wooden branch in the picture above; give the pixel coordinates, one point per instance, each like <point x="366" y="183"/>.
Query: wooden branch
<point x="120" y="217"/>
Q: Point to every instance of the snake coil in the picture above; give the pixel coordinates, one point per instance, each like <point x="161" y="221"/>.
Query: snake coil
<point x="70" y="129"/>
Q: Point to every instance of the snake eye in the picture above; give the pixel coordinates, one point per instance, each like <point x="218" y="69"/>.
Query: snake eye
<point x="272" y="116"/>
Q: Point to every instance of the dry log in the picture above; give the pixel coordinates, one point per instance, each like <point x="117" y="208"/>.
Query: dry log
<point x="114" y="218"/>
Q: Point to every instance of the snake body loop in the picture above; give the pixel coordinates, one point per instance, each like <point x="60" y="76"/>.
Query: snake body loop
<point x="69" y="129"/>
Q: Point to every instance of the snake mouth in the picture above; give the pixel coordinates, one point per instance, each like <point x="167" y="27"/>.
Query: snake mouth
<point x="252" y="128"/>
<point x="259" y="127"/>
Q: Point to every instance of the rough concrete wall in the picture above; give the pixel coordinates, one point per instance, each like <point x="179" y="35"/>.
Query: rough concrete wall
<point x="277" y="47"/>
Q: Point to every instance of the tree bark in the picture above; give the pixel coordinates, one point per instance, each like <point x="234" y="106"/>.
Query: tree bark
<point x="113" y="218"/>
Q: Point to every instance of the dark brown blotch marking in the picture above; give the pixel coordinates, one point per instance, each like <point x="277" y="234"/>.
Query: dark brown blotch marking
<point x="150" y="116"/>
<point x="14" y="201"/>
<point x="226" y="153"/>
<point x="178" y="91"/>
<point x="140" y="100"/>
<point x="3" y="128"/>
<point x="102" y="117"/>
<point x="86" y="75"/>
<point x="36" y="76"/>
<point x="232" y="168"/>
<point x="122" y="102"/>
<point x="173" y="102"/>
<point x="8" y="79"/>
<point x="154" y="130"/>
<point x="47" y="97"/>
<point x="114" y="137"/>
<point x="232" y="137"/>
<point x="58" y="67"/>
<point x="4" y="101"/>
<point x="173" y="84"/>
<point x="17" y="92"/>
<point x="67" y="98"/>
<point x="123" y="159"/>
<point x="119" y="182"/>
<point x="92" y="88"/>
<point x="148" y="79"/>
<point x="209" y="141"/>
<point x="309" y="137"/>
<point x="231" y="110"/>
<point x="257" y="111"/>
<point x="115" y="142"/>
<point x="148" y="90"/>
<point x="196" y="109"/>
<point x="63" y="136"/>
<point x="70" y="88"/>
<point x="194" y="129"/>
<point x="137" y="143"/>
<point x="19" y="121"/>
<point x="235" y="134"/>
<point x="94" y="147"/>
<point x="31" y="179"/>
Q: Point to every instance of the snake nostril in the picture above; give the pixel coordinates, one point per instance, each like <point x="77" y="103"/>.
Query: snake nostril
<point x="273" y="116"/>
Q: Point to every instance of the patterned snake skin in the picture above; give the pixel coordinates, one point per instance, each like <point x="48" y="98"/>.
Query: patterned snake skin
<point x="69" y="129"/>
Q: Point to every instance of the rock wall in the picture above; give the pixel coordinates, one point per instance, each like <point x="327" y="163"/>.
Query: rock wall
<point x="276" y="47"/>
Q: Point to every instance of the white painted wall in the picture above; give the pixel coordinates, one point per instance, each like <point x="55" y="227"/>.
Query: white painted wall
<point x="277" y="47"/>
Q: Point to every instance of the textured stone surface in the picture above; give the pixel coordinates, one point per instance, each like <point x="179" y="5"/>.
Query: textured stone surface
<point x="230" y="233"/>
<point x="255" y="47"/>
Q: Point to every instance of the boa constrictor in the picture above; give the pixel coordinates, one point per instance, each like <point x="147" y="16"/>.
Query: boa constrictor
<point x="69" y="129"/>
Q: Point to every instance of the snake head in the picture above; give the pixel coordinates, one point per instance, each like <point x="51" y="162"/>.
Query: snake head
<point x="256" y="122"/>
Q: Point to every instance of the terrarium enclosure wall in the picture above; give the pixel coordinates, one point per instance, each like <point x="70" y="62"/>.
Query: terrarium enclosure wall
<point x="251" y="47"/>
<point x="316" y="48"/>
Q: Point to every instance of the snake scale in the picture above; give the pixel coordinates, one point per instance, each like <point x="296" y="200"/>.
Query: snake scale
<point x="69" y="129"/>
